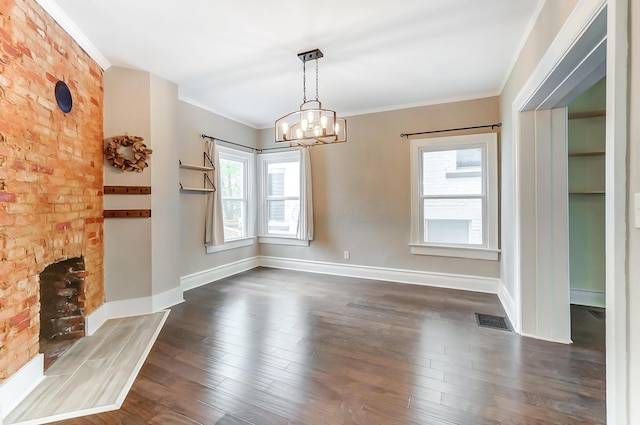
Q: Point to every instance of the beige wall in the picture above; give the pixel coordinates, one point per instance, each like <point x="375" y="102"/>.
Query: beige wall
<point x="142" y="254"/>
<point x="194" y="121"/>
<point x="127" y="250"/>
<point x="551" y="18"/>
<point x="361" y="190"/>
<point x="634" y="234"/>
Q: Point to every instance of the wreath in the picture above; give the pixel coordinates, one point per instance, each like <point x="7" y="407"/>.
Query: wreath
<point x="134" y="160"/>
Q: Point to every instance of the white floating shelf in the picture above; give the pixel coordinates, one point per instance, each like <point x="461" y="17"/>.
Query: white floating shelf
<point x="196" y="167"/>
<point x="196" y="189"/>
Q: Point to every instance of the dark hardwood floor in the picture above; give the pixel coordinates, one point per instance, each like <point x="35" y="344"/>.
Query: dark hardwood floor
<point x="276" y="347"/>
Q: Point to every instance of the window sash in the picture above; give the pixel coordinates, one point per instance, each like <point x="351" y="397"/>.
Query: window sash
<point x="488" y="197"/>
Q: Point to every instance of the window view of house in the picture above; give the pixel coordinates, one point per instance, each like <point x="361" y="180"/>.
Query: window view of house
<point x="452" y="200"/>
<point x="282" y="200"/>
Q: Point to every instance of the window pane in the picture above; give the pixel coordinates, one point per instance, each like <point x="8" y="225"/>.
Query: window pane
<point x="283" y="179"/>
<point x="441" y="174"/>
<point x="234" y="219"/>
<point x="469" y="157"/>
<point x="457" y="221"/>
<point x="282" y="217"/>
<point x="232" y="178"/>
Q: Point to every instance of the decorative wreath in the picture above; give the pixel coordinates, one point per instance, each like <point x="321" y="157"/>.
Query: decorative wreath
<point x="137" y="157"/>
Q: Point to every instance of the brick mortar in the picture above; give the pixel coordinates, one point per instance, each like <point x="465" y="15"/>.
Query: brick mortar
<point x="51" y="171"/>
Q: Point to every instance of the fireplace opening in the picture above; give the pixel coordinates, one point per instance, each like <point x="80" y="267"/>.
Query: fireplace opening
<point x="62" y="319"/>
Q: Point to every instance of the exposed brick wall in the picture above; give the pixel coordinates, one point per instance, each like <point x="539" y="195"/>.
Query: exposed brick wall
<point x="51" y="173"/>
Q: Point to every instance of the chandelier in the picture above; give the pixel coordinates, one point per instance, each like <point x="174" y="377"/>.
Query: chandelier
<point x="311" y="125"/>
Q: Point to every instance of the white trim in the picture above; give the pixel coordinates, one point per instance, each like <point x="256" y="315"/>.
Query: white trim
<point x="194" y="280"/>
<point x="132" y="307"/>
<point x="93" y="321"/>
<point x="617" y="280"/>
<point x="558" y="341"/>
<point x="52" y="8"/>
<point x="167" y="299"/>
<point x="282" y="241"/>
<point x="416" y="277"/>
<point x="233" y="244"/>
<point x="193" y="102"/>
<point x="588" y="297"/>
<point x="20" y="384"/>
<point x="454" y="251"/>
<point x="509" y="306"/>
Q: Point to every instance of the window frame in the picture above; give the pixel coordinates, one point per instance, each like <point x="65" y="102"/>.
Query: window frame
<point x="488" y="250"/>
<point x="249" y="160"/>
<point x="264" y="159"/>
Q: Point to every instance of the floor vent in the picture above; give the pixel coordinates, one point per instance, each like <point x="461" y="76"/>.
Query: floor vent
<point x="494" y="322"/>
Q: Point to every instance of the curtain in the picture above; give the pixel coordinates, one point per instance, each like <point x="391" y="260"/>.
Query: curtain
<point x="214" y="226"/>
<point x="305" y="218"/>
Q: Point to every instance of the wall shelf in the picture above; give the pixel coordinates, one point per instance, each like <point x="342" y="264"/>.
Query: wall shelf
<point x="195" y="167"/>
<point x="206" y="168"/>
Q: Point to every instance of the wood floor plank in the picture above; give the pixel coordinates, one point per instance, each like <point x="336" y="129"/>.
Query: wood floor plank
<point x="277" y="347"/>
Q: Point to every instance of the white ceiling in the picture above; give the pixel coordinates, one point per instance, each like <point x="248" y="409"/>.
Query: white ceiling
<point x="239" y="57"/>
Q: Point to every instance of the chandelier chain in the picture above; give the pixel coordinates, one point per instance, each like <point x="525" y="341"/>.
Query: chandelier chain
<point x="304" y="81"/>
<point x="317" y="80"/>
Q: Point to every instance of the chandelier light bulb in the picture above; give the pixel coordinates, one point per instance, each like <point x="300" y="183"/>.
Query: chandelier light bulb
<point x="298" y="133"/>
<point x="337" y="128"/>
<point x="304" y="124"/>
<point x="285" y="130"/>
<point x="323" y="122"/>
<point x="310" y="116"/>
<point x="316" y="130"/>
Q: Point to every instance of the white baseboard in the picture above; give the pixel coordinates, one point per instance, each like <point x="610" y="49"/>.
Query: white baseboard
<point x="20" y="384"/>
<point x="541" y="338"/>
<point x="415" y="277"/>
<point x="167" y="299"/>
<point x="588" y="298"/>
<point x="207" y="276"/>
<point x="132" y="307"/>
<point x="509" y="306"/>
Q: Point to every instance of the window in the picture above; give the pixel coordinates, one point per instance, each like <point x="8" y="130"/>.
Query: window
<point x="236" y="188"/>
<point x="454" y="196"/>
<point x="280" y="194"/>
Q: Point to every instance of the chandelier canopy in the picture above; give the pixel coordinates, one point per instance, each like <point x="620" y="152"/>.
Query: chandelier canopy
<point x="311" y="125"/>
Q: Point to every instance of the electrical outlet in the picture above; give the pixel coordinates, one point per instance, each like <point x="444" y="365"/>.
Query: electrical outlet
<point x="347" y="255"/>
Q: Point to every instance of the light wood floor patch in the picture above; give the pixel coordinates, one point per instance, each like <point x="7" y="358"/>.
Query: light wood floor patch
<point x="94" y="375"/>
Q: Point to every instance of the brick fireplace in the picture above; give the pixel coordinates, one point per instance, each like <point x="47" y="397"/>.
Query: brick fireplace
<point x="51" y="175"/>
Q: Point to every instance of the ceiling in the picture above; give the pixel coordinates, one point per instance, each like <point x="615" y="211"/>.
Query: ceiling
<point x="238" y="58"/>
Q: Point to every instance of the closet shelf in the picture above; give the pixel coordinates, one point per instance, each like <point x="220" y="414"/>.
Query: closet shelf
<point x="587" y="192"/>
<point x="586" y="153"/>
<point x="587" y="114"/>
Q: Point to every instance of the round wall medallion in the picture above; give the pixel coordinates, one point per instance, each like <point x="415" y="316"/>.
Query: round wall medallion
<point x="63" y="96"/>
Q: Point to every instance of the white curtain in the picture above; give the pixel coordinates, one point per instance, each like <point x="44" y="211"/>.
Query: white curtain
<point x="305" y="218"/>
<point x="214" y="226"/>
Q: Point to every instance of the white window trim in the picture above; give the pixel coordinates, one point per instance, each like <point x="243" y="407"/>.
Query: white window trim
<point x="489" y="249"/>
<point x="232" y="244"/>
<point x="263" y="160"/>
<point x="249" y="158"/>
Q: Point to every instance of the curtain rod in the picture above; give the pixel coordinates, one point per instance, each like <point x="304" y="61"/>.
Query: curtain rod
<point x="492" y="126"/>
<point x="204" y="136"/>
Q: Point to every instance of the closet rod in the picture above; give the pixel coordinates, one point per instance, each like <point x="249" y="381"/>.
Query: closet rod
<point x="492" y="126"/>
<point x="204" y="136"/>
